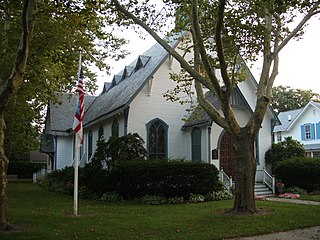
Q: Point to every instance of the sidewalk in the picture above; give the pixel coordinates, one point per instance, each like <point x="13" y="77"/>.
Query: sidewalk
<point x="298" y="201"/>
<point x="298" y="234"/>
<point x="312" y="233"/>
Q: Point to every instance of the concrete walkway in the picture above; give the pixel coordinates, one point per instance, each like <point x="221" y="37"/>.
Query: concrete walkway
<point x="312" y="233"/>
<point x="298" y="201"/>
<point x="298" y="234"/>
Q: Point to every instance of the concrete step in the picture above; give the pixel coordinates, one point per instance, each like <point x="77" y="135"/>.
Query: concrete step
<point x="261" y="189"/>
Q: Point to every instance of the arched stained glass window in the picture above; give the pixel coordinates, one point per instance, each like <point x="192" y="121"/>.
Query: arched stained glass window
<point x="101" y="133"/>
<point x="89" y="144"/>
<point x="157" y="139"/>
<point x="196" y="144"/>
<point x="115" y="128"/>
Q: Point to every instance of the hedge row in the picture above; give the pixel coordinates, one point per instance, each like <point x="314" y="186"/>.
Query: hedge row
<point x="169" y="179"/>
<point x="135" y="179"/>
<point x="300" y="172"/>
<point x="24" y="169"/>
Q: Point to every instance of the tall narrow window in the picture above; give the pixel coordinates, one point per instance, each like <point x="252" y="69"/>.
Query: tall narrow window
<point x="196" y="144"/>
<point x="100" y="133"/>
<point x="89" y="145"/>
<point x="279" y="137"/>
<point x="157" y="139"/>
<point x="308" y="131"/>
<point x="115" y="128"/>
<point x="318" y="130"/>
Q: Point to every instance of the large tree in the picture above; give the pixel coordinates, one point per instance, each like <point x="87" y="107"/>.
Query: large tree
<point x="62" y="28"/>
<point x="285" y="98"/>
<point x="32" y="71"/>
<point x="231" y="29"/>
<point x="8" y="88"/>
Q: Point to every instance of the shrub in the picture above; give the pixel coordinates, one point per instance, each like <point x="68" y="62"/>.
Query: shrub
<point x="153" y="200"/>
<point x="126" y="148"/>
<point x="284" y="150"/>
<point x="222" y="195"/>
<point x="95" y="179"/>
<point x="296" y="190"/>
<point x="111" y="197"/>
<point x="175" y="200"/>
<point x="24" y="169"/>
<point x="194" y="198"/>
<point x="135" y="179"/>
<point x="60" y="181"/>
<point x="300" y="172"/>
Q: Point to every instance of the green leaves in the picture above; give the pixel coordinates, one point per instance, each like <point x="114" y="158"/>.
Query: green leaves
<point x="285" y="98"/>
<point x="61" y="30"/>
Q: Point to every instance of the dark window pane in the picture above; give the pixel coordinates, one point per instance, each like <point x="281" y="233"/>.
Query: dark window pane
<point x="157" y="140"/>
<point x="152" y="140"/>
<point x="161" y="140"/>
<point x="90" y="144"/>
<point x="115" y="129"/>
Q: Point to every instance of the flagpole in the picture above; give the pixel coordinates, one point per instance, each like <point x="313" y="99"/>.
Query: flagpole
<point x="76" y="161"/>
<point x="75" y="193"/>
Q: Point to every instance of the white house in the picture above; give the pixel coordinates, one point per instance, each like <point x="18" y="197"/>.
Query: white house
<point x="133" y="102"/>
<point x="302" y="124"/>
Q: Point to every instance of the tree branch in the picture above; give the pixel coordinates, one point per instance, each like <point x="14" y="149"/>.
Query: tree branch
<point x="313" y="11"/>
<point x="165" y="45"/>
<point x="11" y="85"/>
<point x="198" y="40"/>
<point x="202" y="100"/>
<point x="220" y="53"/>
<point x="275" y="68"/>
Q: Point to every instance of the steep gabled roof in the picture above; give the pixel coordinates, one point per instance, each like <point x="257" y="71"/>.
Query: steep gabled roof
<point x="289" y="118"/>
<point x="127" y="84"/>
<point x="285" y="119"/>
<point x="199" y="117"/>
<point x="62" y="113"/>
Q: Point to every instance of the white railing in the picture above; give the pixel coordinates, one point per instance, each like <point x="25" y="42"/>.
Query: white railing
<point x="267" y="179"/>
<point x="225" y="179"/>
<point x="39" y="173"/>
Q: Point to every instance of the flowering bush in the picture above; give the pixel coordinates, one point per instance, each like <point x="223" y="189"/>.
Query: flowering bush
<point x="261" y="198"/>
<point x="289" y="195"/>
<point x="280" y="185"/>
<point x="194" y="198"/>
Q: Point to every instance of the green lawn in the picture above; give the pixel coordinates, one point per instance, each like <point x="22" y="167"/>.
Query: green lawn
<point x="46" y="215"/>
<point x="311" y="197"/>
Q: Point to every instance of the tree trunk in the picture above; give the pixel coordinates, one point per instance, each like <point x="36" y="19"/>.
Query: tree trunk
<point x="8" y="89"/>
<point x="3" y="178"/>
<point x="245" y="174"/>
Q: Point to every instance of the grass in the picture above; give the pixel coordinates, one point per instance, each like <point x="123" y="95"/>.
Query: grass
<point x="310" y="197"/>
<point x="46" y="215"/>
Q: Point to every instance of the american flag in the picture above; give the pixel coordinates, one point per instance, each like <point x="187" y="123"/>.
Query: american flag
<point x="79" y="116"/>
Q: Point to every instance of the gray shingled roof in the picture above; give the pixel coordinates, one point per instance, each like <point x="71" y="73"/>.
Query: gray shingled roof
<point x="62" y="113"/>
<point x="199" y="117"/>
<point x="317" y="104"/>
<point x="284" y="116"/>
<point x="123" y="90"/>
<point x="115" y="97"/>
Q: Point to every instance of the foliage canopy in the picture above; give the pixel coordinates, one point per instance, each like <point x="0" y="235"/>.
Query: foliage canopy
<point x="284" y="150"/>
<point x="285" y="98"/>
<point x="61" y="30"/>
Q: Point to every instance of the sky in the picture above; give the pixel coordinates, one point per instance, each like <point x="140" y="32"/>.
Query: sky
<point x="299" y="65"/>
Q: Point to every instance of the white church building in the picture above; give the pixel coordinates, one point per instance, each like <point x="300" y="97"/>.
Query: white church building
<point x="133" y="102"/>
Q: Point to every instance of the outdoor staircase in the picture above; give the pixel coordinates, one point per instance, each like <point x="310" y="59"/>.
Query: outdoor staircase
<point x="264" y="185"/>
<point x="261" y="189"/>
